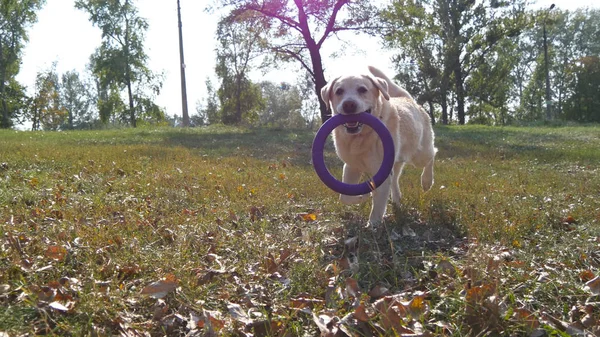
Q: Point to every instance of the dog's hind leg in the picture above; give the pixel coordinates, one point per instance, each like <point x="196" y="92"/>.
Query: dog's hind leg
<point x="427" y="176"/>
<point x="396" y="194"/>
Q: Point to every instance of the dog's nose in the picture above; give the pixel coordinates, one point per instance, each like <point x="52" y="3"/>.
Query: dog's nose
<point x="349" y="107"/>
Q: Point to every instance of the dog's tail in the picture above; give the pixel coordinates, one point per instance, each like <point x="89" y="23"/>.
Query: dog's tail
<point x="393" y="89"/>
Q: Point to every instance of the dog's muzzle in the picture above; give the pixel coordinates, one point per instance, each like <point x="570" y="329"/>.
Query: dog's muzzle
<point x="355" y="127"/>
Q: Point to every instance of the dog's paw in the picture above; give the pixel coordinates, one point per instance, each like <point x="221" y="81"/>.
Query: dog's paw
<point x="352" y="199"/>
<point x="374" y="224"/>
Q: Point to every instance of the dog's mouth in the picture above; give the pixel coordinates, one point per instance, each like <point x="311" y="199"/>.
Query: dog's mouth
<point x="355" y="127"/>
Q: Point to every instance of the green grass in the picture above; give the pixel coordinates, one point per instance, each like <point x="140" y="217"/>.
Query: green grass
<point x="503" y="244"/>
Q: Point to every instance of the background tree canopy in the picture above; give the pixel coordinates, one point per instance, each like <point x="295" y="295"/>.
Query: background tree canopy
<point x="465" y="61"/>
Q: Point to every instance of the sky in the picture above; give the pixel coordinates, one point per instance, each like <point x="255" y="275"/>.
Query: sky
<point x="64" y="35"/>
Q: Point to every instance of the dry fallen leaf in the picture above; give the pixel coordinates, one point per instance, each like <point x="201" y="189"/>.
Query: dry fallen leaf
<point x="379" y="291"/>
<point x="593" y="285"/>
<point x="302" y="302"/>
<point x="391" y="313"/>
<point x="360" y="313"/>
<point x="586" y="275"/>
<point x="447" y="268"/>
<point x="308" y="217"/>
<point x="57" y="253"/>
<point x="160" y="289"/>
<point x="527" y="319"/>
<point x="58" y="306"/>
<point x="237" y="313"/>
<point x="352" y="289"/>
<point x="328" y="325"/>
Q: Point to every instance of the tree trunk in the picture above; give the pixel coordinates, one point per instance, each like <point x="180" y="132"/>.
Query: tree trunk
<point x="460" y="94"/>
<point x="131" y="109"/>
<point x="238" y="100"/>
<point x="5" y="118"/>
<point x="431" y="112"/>
<point x="320" y="82"/>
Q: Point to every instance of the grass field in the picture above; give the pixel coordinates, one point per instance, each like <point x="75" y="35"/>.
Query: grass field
<point x="227" y="231"/>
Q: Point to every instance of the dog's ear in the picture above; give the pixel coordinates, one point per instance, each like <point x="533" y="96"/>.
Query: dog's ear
<point x="326" y="93"/>
<point x="380" y="84"/>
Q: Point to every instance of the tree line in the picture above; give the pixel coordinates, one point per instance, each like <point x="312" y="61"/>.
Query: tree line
<point x="493" y="62"/>
<point x="464" y="60"/>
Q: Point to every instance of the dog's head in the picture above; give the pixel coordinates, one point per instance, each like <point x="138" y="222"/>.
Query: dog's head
<point x="355" y="94"/>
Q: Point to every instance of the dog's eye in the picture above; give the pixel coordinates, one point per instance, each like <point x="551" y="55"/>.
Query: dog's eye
<point x="362" y="90"/>
<point x="339" y="92"/>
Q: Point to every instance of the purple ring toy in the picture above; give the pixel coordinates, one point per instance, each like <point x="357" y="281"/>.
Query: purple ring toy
<point x="319" y="161"/>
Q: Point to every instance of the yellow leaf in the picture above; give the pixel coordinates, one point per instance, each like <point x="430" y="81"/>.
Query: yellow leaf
<point x="34" y="182"/>
<point x="308" y="216"/>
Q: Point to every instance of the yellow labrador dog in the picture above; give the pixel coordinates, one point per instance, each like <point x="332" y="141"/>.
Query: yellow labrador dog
<point x="359" y="146"/>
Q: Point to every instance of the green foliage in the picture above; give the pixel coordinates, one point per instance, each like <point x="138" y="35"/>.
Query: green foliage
<point x="584" y="104"/>
<point x="240" y="45"/>
<point x="120" y="63"/>
<point x="77" y="98"/>
<point x="454" y="55"/>
<point x="207" y="111"/>
<point x="15" y="17"/>
<point x="449" y="40"/>
<point x="283" y="105"/>
<point x="46" y="110"/>
<point x="295" y="31"/>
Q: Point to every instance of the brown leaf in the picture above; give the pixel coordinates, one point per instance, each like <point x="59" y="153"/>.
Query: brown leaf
<point x="302" y="302"/>
<point x="586" y="275"/>
<point x="57" y="253"/>
<point x="593" y="285"/>
<point x="391" y="315"/>
<point x="160" y="289"/>
<point x="360" y="313"/>
<point x="352" y="288"/>
<point x="379" y="291"/>
<point x="447" y="268"/>
<point x="526" y="318"/>
<point x="477" y="294"/>
<point x="270" y="264"/>
<point x="328" y="325"/>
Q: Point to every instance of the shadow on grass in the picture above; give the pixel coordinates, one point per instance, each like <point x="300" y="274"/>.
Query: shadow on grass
<point x="545" y="144"/>
<point x="260" y="143"/>
<point x="393" y="254"/>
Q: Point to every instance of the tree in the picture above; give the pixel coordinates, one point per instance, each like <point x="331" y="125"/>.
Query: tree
<point x="15" y="17"/>
<point x="297" y="30"/>
<point x="584" y="104"/>
<point x="283" y="105"/>
<point x="46" y="110"/>
<point x="77" y="99"/>
<point x="240" y="44"/>
<point x="457" y="35"/>
<point x="120" y="61"/>
<point x="208" y="112"/>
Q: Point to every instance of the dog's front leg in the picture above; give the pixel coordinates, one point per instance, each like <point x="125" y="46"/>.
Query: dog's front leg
<point x="380" y="198"/>
<point x="351" y="176"/>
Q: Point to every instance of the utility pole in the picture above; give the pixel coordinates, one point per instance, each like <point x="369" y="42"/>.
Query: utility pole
<point x="548" y="98"/>
<point x="184" y="104"/>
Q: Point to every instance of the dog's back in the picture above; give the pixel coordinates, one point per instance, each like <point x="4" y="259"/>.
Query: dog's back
<point x="394" y="90"/>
